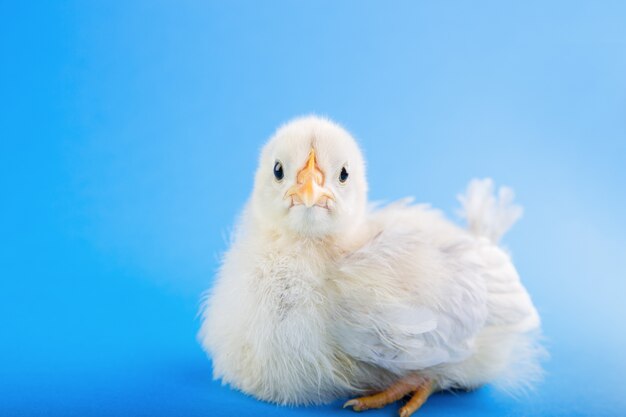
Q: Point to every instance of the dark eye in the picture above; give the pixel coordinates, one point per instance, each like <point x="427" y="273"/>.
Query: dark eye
<point x="343" y="176"/>
<point x="278" y="171"/>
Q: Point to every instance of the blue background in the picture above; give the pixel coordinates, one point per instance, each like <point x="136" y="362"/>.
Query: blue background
<point x="129" y="133"/>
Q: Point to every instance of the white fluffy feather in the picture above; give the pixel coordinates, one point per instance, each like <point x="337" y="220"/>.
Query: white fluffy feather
<point x="487" y="214"/>
<point x="315" y="304"/>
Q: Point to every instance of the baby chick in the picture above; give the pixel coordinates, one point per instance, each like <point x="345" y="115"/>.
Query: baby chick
<point x="322" y="297"/>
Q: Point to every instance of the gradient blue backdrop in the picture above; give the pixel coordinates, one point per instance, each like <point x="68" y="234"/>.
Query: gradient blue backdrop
<point x="129" y="133"/>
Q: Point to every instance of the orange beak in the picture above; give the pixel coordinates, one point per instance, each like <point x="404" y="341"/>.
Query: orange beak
<point x="309" y="188"/>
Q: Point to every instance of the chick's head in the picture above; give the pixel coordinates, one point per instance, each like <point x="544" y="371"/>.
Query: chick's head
<point x="310" y="180"/>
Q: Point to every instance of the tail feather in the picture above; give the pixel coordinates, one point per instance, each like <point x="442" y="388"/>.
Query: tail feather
<point x="486" y="213"/>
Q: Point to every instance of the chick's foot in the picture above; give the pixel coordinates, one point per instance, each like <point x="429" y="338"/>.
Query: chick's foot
<point x="420" y="388"/>
<point x="420" y="395"/>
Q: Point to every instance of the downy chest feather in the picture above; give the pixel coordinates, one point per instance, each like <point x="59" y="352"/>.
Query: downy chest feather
<point x="293" y="349"/>
<point x="288" y="287"/>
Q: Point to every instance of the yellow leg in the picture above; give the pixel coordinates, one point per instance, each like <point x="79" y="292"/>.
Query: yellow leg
<point x="418" y="399"/>
<point x="397" y="391"/>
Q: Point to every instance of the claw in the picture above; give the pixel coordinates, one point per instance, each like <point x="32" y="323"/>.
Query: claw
<point x="354" y="403"/>
<point x="349" y="403"/>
